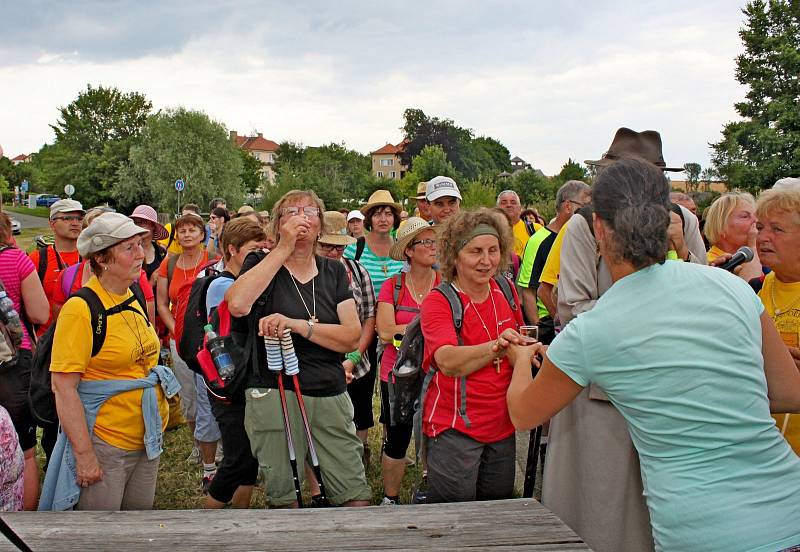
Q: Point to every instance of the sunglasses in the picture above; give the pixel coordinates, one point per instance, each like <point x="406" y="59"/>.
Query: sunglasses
<point x="70" y="218"/>
<point x="294" y="211"/>
<point x="331" y="247"/>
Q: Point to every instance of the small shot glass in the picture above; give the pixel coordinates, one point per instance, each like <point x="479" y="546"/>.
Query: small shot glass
<point x="529" y="333"/>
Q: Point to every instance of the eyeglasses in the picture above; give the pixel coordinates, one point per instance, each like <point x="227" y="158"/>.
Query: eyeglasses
<point x="578" y="203"/>
<point x="293" y="211"/>
<point x="331" y="247"/>
<point x="70" y="218"/>
<point x="427" y="243"/>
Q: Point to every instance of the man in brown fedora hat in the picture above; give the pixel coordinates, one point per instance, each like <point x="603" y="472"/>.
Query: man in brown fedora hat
<point x="591" y="477"/>
<point x="420" y="201"/>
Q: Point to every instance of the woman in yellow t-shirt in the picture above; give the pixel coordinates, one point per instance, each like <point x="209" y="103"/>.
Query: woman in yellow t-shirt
<point x="779" y="247"/>
<point x="112" y="467"/>
<point x="730" y="224"/>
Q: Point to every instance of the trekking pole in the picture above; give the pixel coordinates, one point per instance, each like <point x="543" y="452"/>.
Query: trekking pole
<point x="533" y="462"/>
<point x="15" y="539"/>
<point x="275" y="364"/>
<point x="292" y="369"/>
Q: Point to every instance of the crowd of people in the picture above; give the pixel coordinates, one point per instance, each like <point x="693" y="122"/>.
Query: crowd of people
<point x="668" y="388"/>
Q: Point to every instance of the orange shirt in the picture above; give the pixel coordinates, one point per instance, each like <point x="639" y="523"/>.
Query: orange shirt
<point x="67" y="258"/>
<point x="179" y="276"/>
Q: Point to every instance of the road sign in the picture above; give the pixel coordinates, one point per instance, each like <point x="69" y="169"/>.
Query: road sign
<point x="24" y="186"/>
<point x="180" y="185"/>
<point x="69" y="189"/>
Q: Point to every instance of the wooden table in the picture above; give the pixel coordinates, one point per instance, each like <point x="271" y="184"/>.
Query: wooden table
<point x="520" y="524"/>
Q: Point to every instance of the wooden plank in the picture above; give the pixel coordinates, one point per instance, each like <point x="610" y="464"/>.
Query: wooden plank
<point x="521" y="524"/>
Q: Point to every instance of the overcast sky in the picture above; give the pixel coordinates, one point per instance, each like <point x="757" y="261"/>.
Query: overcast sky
<point x="549" y="80"/>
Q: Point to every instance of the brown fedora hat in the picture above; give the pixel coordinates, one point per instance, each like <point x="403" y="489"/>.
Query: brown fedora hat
<point x="629" y="143"/>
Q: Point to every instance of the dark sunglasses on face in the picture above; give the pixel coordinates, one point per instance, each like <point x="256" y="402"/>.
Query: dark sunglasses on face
<point x="331" y="247"/>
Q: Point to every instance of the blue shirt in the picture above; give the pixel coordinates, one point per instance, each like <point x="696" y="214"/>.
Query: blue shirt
<point x="677" y="348"/>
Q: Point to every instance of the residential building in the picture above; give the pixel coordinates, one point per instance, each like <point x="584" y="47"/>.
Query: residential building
<point x="262" y="149"/>
<point x="702" y="186"/>
<point x="387" y="163"/>
<point x="21" y="158"/>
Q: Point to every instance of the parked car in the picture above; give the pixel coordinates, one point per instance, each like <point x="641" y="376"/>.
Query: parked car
<point x="46" y="200"/>
<point x="16" y="227"/>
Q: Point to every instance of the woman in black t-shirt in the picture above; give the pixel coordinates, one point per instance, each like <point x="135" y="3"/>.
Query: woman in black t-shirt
<point x="292" y="288"/>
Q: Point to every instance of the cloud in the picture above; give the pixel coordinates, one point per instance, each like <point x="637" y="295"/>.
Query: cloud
<point x="549" y="81"/>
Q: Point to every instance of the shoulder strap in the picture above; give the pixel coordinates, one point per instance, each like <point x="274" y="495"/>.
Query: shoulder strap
<point x="171" y="264"/>
<point x="171" y="234"/>
<point x="450" y="293"/>
<point x="360" y="243"/>
<point x="505" y="287"/>
<point x="675" y="208"/>
<point x="41" y="270"/>
<point x="138" y="294"/>
<point x="353" y="266"/>
<point x="530" y="228"/>
<point x="98" y="317"/>
<point x="399" y="285"/>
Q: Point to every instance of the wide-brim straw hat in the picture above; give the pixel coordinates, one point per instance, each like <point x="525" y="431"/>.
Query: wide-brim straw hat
<point x="422" y="187"/>
<point x="145" y="212"/>
<point x="413" y="227"/>
<point x="644" y="145"/>
<point x="335" y="224"/>
<point x="380" y="198"/>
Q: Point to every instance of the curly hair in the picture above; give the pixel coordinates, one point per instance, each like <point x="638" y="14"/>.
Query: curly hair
<point x="292" y="195"/>
<point x="632" y="198"/>
<point x="456" y="228"/>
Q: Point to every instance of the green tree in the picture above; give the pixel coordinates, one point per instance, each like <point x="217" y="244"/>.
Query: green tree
<point x="533" y="188"/>
<point x="183" y="144"/>
<point x="251" y="175"/>
<point x="479" y="193"/>
<point x="765" y="144"/>
<point x="421" y="130"/>
<point x="94" y="135"/>
<point x="571" y="170"/>
<point x="692" y="172"/>
<point x="707" y="177"/>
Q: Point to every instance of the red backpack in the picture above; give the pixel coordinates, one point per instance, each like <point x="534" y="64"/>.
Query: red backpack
<point x="181" y="301"/>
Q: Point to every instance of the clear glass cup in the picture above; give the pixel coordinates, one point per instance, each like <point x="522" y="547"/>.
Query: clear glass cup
<point x="529" y="333"/>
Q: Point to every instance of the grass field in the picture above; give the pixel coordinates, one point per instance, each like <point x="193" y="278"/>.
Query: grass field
<point x="43" y="212"/>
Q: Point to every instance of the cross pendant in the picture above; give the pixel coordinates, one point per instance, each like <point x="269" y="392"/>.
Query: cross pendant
<point x="385" y="269"/>
<point x="497" y="362"/>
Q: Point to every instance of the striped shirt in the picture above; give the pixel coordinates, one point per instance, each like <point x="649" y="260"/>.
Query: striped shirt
<point x="15" y="266"/>
<point x="364" y="295"/>
<point x="380" y="268"/>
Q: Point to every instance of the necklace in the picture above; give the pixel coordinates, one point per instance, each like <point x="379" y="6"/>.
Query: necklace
<point x="418" y="296"/>
<point x="194" y="269"/>
<point x="312" y="316"/>
<point x="139" y="356"/>
<point x="775" y="308"/>
<point x="497" y="360"/>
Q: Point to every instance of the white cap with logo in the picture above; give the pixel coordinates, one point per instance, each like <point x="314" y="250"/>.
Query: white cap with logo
<point x="441" y="186"/>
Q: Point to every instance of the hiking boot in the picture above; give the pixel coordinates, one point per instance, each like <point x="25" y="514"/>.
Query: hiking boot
<point x="388" y="502"/>
<point x="206" y="483"/>
<point x="194" y="456"/>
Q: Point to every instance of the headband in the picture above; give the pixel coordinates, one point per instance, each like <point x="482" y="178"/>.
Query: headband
<point x="482" y="229"/>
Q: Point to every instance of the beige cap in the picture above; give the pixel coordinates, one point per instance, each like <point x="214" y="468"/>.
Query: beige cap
<point x="106" y="230"/>
<point x="244" y="209"/>
<point x="65" y="206"/>
<point x="336" y="227"/>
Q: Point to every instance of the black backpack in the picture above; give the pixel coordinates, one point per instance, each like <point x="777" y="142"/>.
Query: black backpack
<point x="407" y="381"/>
<point x="40" y="395"/>
<point x="195" y="319"/>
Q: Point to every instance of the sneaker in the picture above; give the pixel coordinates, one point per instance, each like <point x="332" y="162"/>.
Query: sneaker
<point x="194" y="456"/>
<point x="387" y="502"/>
<point x="207" y="479"/>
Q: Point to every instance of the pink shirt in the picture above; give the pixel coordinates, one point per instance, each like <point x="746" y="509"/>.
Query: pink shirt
<point x="15" y="266"/>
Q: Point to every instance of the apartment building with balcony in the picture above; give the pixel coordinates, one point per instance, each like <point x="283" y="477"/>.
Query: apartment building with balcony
<point x="387" y="163"/>
<point x="262" y="149"/>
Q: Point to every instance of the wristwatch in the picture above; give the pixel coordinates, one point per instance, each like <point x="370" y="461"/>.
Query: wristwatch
<point x="310" y="328"/>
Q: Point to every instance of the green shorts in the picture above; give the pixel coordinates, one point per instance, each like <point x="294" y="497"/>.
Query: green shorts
<point x="338" y="448"/>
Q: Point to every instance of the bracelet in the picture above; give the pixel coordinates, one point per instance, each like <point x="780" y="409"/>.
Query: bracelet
<point x="310" y="329"/>
<point x="354" y="357"/>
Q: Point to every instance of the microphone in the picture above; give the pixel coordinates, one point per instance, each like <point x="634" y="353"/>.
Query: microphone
<point x="743" y="255"/>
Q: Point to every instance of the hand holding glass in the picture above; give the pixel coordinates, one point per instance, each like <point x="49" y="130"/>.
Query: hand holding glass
<point x="529" y="333"/>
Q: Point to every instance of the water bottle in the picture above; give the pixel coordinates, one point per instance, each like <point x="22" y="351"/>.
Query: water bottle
<point x="10" y="317"/>
<point x="222" y="360"/>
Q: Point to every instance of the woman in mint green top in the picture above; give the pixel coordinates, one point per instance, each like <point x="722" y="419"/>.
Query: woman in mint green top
<point x="688" y="357"/>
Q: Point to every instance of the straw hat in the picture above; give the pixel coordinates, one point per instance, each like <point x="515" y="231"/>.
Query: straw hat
<point x="422" y="188"/>
<point x="379" y="198"/>
<point x="413" y="227"/>
<point x="336" y="226"/>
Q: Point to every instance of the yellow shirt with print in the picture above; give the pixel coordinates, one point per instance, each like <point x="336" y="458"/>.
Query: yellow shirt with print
<point x="174" y="247"/>
<point x="521" y="236"/>
<point x="713" y="253"/>
<point x="128" y="338"/>
<point x="552" y="266"/>
<point x="787" y="298"/>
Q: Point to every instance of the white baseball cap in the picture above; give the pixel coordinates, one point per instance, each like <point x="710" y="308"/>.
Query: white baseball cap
<point x="355" y="214"/>
<point x="441" y="186"/>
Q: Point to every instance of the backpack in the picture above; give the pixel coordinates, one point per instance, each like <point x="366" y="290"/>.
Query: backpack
<point x="41" y="270"/>
<point x="360" y="243"/>
<point x="192" y="336"/>
<point x="407" y="381"/>
<point x="40" y="395"/>
<point x="182" y="297"/>
<point x="10" y="331"/>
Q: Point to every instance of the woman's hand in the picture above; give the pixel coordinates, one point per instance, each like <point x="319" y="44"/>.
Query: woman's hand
<point x="348" y="371"/>
<point x="293" y="228"/>
<point x="533" y="352"/>
<point x="87" y="468"/>
<point x="275" y="324"/>
<point x="507" y="338"/>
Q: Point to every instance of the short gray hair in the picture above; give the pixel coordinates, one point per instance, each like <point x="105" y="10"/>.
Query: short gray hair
<point x="570" y="190"/>
<point x="505" y="192"/>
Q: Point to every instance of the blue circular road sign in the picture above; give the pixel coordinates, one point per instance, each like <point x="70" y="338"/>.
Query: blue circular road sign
<point x="180" y="185"/>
